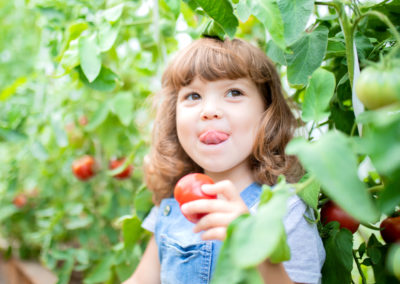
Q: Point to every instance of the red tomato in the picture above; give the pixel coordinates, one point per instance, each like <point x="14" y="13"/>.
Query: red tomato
<point x="117" y="163"/>
<point x="331" y="212"/>
<point x="188" y="189"/>
<point x="391" y="229"/>
<point x="84" y="167"/>
<point x="20" y="200"/>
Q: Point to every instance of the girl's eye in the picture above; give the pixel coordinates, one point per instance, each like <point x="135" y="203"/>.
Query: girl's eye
<point x="192" y="97"/>
<point x="234" y="93"/>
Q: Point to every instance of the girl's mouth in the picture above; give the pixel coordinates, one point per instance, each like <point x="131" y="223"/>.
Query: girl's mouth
<point x="213" y="137"/>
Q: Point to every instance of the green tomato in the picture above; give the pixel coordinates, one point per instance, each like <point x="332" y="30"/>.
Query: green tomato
<point x="378" y="87"/>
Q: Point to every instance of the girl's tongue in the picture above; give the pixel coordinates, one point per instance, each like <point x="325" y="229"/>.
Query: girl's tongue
<point x="213" y="137"/>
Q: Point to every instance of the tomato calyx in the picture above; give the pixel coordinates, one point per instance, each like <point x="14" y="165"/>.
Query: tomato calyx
<point x="188" y="188"/>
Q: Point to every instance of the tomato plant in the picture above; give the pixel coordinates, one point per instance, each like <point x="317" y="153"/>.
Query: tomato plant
<point x="332" y="212"/>
<point x="116" y="163"/>
<point x="84" y="167"/>
<point x="390" y="229"/>
<point x="188" y="188"/>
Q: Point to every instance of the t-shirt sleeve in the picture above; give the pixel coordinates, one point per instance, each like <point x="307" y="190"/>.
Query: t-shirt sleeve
<point x="306" y="247"/>
<point x="149" y="223"/>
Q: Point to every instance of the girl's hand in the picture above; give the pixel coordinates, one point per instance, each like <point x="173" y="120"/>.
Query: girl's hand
<point x="220" y="212"/>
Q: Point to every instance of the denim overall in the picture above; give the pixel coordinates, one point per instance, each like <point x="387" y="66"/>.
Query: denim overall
<point x="184" y="257"/>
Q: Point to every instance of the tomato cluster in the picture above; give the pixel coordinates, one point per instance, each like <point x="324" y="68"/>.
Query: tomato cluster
<point x="332" y="212"/>
<point x="85" y="168"/>
<point x="188" y="189"/>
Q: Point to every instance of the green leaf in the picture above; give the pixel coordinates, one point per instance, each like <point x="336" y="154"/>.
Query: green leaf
<point x="310" y="193"/>
<point x="295" y="15"/>
<point x="107" y="35"/>
<point x="58" y="128"/>
<point x="226" y="270"/>
<point x="222" y="12"/>
<point x="389" y="198"/>
<point x="276" y="53"/>
<point x="70" y="58"/>
<point x="113" y="14"/>
<point x="10" y="90"/>
<point x="6" y="211"/>
<point x="75" y="29"/>
<point x="89" y="56"/>
<point x="281" y="252"/>
<point x="39" y="151"/>
<point x="377" y="252"/>
<point x="260" y="236"/>
<point x="268" y="13"/>
<point x="307" y="56"/>
<point x="143" y="203"/>
<point x="122" y="106"/>
<point x="318" y="95"/>
<point x="175" y="6"/>
<point x="334" y="164"/>
<point x="11" y="135"/>
<point x="393" y="260"/>
<point x="339" y="255"/>
<point x="131" y="231"/>
<point x="243" y="9"/>
<point x="381" y="138"/>
<point x="102" y="271"/>
<point x="99" y="117"/>
<point x="105" y="82"/>
<point x="343" y="119"/>
<point x="213" y="29"/>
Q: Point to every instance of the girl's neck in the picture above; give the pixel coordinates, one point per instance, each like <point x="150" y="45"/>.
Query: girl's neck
<point x="240" y="176"/>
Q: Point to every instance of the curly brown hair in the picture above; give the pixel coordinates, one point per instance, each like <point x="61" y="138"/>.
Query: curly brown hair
<point x="213" y="59"/>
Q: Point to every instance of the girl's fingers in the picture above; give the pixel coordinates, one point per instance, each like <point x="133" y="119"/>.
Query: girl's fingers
<point x="214" y="220"/>
<point x="218" y="233"/>
<point x="225" y="187"/>
<point x="206" y="206"/>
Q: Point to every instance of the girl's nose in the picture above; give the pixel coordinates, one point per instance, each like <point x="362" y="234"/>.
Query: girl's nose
<point x="210" y="111"/>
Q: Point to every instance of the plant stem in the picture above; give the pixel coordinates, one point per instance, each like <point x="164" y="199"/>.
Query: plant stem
<point x="348" y="37"/>
<point x="364" y="281"/>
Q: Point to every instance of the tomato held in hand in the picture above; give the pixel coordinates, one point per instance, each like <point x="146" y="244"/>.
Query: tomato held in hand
<point x="391" y="229"/>
<point x="188" y="189"/>
<point x="84" y="167"/>
<point x="331" y="212"/>
<point x="126" y="173"/>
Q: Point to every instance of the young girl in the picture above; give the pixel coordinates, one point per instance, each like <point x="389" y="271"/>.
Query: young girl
<point x="221" y="112"/>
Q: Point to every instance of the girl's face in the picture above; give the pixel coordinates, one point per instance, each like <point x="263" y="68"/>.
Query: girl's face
<point x="217" y="122"/>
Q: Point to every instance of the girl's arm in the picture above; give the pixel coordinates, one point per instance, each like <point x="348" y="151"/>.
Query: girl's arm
<point x="148" y="270"/>
<point x="274" y="273"/>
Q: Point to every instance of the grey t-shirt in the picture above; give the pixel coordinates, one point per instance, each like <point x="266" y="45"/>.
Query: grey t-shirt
<point x="306" y="247"/>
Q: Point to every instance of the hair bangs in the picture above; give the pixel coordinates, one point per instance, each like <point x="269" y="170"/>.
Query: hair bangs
<point x="208" y="59"/>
